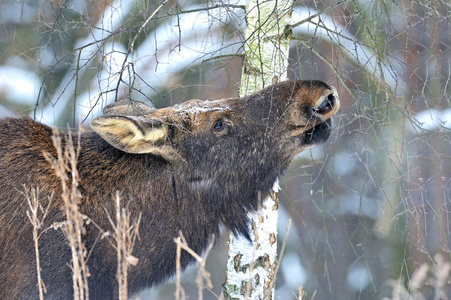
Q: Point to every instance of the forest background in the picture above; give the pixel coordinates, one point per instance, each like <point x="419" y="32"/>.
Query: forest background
<point x="370" y="209"/>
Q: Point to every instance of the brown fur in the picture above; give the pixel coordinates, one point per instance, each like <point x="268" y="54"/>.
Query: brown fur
<point x="190" y="167"/>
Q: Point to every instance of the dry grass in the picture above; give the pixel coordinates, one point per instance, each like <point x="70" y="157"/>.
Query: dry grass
<point x="65" y="163"/>
<point x="37" y="215"/>
<point x="427" y="280"/>
<point x="125" y="235"/>
<point x="124" y="231"/>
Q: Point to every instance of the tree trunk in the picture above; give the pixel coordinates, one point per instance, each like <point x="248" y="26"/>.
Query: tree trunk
<point x="251" y="267"/>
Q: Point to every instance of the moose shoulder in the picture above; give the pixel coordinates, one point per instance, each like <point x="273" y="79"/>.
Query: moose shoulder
<point x="189" y="168"/>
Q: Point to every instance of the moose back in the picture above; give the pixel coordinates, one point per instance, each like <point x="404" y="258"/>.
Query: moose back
<point x="189" y="167"/>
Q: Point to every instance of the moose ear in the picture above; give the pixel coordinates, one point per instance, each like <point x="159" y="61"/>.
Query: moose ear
<point x="127" y="108"/>
<point x="135" y="134"/>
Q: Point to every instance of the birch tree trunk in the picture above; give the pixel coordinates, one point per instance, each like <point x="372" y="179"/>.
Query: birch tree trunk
<point x="251" y="267"/>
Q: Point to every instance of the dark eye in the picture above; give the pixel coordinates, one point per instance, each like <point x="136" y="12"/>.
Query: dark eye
<point x="219" y="125"/>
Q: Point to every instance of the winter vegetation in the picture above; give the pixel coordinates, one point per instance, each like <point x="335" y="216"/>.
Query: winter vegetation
<point x="369" y="210"/>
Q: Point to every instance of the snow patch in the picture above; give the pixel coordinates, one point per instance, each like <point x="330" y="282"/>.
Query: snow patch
<point x="19" y="85"/>
<point x="431" y="120"/>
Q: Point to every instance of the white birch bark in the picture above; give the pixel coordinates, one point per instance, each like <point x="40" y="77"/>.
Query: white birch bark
<point x="251" y="267"/>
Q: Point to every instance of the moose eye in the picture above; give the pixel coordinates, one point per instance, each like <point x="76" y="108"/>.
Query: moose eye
<point x="219" y="125"/>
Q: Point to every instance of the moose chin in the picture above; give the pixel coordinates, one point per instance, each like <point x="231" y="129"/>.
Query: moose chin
<point x="193" y="167"/>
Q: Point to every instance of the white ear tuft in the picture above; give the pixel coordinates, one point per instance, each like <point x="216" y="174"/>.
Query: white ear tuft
<point x="127" y="108"/>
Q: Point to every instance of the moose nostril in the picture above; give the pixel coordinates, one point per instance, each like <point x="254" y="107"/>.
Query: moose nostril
<point x="326" y="105"/>
<point x="331" y="99"/>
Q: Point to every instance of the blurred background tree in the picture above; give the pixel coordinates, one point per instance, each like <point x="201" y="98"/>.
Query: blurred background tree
<point x="370" y="209"/>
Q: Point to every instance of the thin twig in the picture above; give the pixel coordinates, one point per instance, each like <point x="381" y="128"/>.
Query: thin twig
<point x="179" y="291"/>
<point x="310" y="18"/>
<point x="204" y="8"/>
<point x="201" y="274"/>
<point x="130" y="50"/>
<point x="282" y="251"/>
<point x="32" y="197"/>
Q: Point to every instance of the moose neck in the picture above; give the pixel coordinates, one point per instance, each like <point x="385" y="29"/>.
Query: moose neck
<point x="229" y="191"/>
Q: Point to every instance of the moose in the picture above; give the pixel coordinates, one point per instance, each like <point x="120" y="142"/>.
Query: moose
<point x="193" y="167"/>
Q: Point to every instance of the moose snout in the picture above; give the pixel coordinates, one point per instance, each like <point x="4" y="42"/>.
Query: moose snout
<point x="327" y="103"/>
